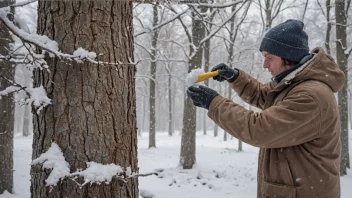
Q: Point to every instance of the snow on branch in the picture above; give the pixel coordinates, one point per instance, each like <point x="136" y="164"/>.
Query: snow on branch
<point x="23" y="3"/>
<point x="9" y="90"/>
<point x="52" y="46"/>
<point x="20" y="4"/>
<point x="38" y="98"/>
<point x="53" y="159"/>
<point x="98" y="173"/>
<point x="95" y="172"/>
<point x="348" y="52"/>
<point x="38" y="40"/>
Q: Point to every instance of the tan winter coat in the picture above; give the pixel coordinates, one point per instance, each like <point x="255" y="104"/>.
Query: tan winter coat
<point x="298" y="129"/>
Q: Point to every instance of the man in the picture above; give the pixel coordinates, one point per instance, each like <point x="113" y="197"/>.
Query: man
<point x="298" y="129"/>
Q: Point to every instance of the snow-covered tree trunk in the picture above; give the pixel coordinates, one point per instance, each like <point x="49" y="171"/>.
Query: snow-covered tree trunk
<point x="341" y="46"/>
<point x="93" y="111"/>
<point x="188" y="140"/>
<point x="6" y="112"/>
<point x="152" y="91"/>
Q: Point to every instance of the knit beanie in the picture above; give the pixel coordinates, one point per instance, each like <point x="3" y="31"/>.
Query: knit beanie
<point x="287" y="40"/>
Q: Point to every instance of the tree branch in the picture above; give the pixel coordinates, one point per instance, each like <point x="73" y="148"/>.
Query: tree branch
<point x="211" y="34"/>
<point x="225" y="5"/>
<point x="162" y="24"/>
<point x="23" y="3"/>
<point x="47" y="44"/>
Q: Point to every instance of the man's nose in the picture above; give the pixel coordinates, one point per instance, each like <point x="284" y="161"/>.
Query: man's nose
<point x="265" y="65"/>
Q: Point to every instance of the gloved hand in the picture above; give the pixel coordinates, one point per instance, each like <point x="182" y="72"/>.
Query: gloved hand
<point x="225" y="73"/>
<point x="201" y="96"/>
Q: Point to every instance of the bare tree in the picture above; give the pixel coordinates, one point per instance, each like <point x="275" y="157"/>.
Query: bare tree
<point x="188" y="145"/>
<point x="6" y="110"/>
<point x="328" y="27"/>
<point x="152" y="81"/>
<point x="271" y="10"/>
<point x="326" y="14"/>
<point x="93" y="114"/>
<point x="305" y="10"/>
<point x="342" y="58"/>
<point x="206" y="54"/>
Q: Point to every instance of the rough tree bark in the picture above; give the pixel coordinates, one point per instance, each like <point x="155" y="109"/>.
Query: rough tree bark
<point x="341" y="56"/>
<point x="6" y="112"/>
<point x="93" y="111"/>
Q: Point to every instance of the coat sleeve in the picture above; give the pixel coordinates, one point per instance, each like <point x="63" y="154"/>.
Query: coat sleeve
<point x="251" y="90"/>
<point x="293" y="121"/>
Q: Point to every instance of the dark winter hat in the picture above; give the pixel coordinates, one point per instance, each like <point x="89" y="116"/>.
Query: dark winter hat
<point x="287" y="40"/>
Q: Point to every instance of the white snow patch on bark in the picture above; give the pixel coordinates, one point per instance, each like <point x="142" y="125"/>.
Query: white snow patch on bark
<point x="98" y="173"/>
<point x="53" y="159"/>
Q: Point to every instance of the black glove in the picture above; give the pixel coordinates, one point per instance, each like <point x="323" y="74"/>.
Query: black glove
<point x="201" y="96"/>
<point x="225" y="73"/>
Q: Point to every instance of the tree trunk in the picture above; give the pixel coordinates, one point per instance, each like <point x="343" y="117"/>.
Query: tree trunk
<point x="341" y="46"/>
<point x="225" y="136"/>
<point x="6" y="112"/>
<point x="188" y="139"/>
<point x="27" y="120"/>
<point x="328" y="27"/>
<point x="204" y="115"/>
<point x="170" y="103"/>
<point x="93" y="111"/>
<point x="152" y="92"/>
<point x="239" y="146"/>
<point x="305" y="10"/>
<point x="350" y="108"/>
<point x="216" y="129"/>
<point x="268" y="17"/>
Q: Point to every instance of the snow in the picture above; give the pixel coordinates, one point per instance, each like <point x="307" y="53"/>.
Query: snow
<point x="9" y="90"/>
<point x="98" y="173"/>
<point x="220" y="171"/>
<point x="38" y="97"/>
<point x="39" y="40"/>
<point x="146" y="193"/>
<point x="94" y="173"/>
<point x="193" y="76"/>
<point x="24" y="2"/>
<point x="53" y="159"/>
<point x="22" y="23"/>
<point x="81" y="53"/>
<point x="45" y="43"/>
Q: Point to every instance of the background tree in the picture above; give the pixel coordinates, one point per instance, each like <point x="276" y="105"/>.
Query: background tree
<point x="6" y="110"/>
<point x="93" y="117"/>
<point x="152" y="81"/>
<point x="188" y="144"/>
<point x="342" y="53"/>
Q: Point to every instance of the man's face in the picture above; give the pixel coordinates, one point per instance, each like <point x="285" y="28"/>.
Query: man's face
<point x="274" y="64"/>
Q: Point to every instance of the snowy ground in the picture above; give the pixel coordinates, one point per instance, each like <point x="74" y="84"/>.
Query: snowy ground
<point x="220" y="171"/>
